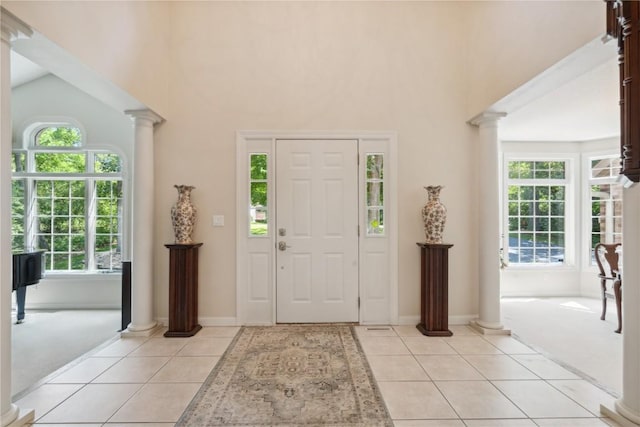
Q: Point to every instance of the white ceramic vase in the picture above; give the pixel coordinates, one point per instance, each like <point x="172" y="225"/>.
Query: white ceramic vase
<point x="434" y="215"/>
<point x="183" y="215"/>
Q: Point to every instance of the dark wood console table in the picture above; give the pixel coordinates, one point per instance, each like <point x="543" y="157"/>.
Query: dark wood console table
<point x="434" y="290"/>
<point x="183" y="290"/>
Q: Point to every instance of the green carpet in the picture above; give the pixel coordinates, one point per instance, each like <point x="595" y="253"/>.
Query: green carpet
<point x="294" y="375"/>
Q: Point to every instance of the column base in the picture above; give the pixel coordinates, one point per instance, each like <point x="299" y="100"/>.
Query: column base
<point x="16" y="418"/>
<point x="489" y="329"/>
<point x="137" y="331"/>
<point x="620" y="414"/>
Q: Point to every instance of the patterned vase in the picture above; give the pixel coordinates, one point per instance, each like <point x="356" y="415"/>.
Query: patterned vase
<point x="434" y="215"/>
<point x="183" y="215"/>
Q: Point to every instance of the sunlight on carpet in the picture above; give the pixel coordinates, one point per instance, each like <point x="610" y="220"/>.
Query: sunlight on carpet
<point x="569" y="331"/>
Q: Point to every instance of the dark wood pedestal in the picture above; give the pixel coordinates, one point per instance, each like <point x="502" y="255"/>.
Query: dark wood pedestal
<point x="183" y="290"/>
<point x="434" y="290"/>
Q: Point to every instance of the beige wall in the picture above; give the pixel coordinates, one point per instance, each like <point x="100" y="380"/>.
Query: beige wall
<point x="123" y="41"/>
<point x="418" y="68"/>
<point x="316" y="66"/>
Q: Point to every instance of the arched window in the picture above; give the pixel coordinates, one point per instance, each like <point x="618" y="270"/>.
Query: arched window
<point x="54" y="136"/>
<point x="67" y="200"/>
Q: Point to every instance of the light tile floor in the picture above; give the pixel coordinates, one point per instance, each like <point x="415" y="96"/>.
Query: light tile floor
<point x="465" y="380"/>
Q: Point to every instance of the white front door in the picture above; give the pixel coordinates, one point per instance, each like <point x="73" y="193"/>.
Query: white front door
<point x="316" y="231"/>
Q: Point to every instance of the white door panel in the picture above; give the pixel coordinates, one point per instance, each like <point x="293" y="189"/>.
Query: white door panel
<point x="317" y="211"/>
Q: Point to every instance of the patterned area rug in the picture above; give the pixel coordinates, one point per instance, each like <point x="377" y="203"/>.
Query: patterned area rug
<point x="293" y="375"/>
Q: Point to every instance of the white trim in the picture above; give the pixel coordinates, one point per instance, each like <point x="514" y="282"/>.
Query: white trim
<point x="243" y="138"/>
<point x="463" y="319"/>
<point x="30" y="128"/>
<point x="393" y="229"/>
<point x="70" y="306"/>
<point x="206" y="321"/>
<point x="13" y="28"/>
<point x="375" y="309"/>
<point x="408" y="320"/>
<point x="241" y="242"/>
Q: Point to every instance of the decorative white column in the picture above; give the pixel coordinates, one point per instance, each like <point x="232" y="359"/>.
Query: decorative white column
<point x="489" y="240"/>
<point x="10" y="414"/>
<point x="142" y="322"/>
<point x="628" y="406"/>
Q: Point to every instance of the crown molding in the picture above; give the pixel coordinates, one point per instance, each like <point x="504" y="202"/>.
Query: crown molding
<point x="486" y="118"/>
<point x="13" y="28"/>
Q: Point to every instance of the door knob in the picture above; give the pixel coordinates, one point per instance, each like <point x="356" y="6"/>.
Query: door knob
<point x="282" y="245"/>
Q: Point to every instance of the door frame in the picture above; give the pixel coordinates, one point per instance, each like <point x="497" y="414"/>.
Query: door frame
<point x="255" y="256"/>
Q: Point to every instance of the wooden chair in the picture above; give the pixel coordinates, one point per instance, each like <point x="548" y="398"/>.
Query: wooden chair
<point x="607" y="257"/>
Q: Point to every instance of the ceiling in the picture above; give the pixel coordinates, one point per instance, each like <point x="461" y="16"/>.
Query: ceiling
<point x="23" y="70"/>
<point x="584" y="108"/>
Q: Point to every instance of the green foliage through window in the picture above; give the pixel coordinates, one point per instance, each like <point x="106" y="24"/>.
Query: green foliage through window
<point x="107" y="163"/>
<point x="65" y="208"/>
<point x="60" y="162"/>
<point x="59" y="137"/>
<point x="375" y="194"/>
<point x="536" y="212"/>
<point x="537" y="170"/>
<point x="258" y="190"/>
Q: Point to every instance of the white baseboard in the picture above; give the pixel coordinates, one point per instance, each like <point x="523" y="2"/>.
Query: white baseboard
<point x="402" y="320"/>
<point x="218" y="321"/>
<point x="408" y="320"/>
<point x="453" y="320"/>
<point x="462" y="320"/>
<point x="206" y="321"/>
<point x="65" y="306"/>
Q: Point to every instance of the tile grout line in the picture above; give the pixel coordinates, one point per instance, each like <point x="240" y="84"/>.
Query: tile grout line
<point x="540" y="379"/>
<point x="410" y="353"/>
<point x="486" y="379"/>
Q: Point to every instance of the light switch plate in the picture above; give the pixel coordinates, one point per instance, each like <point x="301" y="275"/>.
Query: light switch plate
<point x="218" y="220"/>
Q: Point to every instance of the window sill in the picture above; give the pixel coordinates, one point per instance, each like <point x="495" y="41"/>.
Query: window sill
<point x="539" y="267"/>
<point x="80" y="275"/>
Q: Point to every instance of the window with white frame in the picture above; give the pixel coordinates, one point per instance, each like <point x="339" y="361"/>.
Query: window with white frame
<point x="606" y="201"/>
<point x="67" y="201"/>
<point x="258" y="186"/>
<point x="536" y="206"/>
<point x="375" y="194"/>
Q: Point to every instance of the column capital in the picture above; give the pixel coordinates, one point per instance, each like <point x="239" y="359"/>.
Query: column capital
<point x="144" y="117"/>
<point x="487" y="118"/>
<point x="13" y="27"/>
